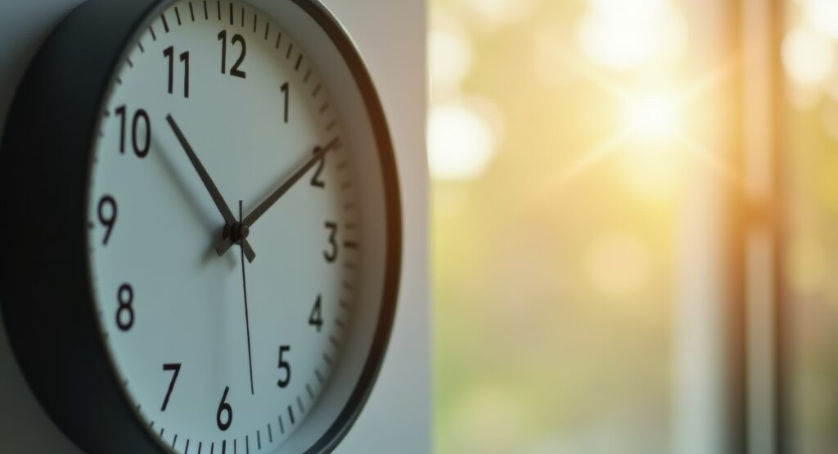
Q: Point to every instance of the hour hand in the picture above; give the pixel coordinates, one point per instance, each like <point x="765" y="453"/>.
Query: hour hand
<point x="319" y="153"/>
<point x="232" y="225"/>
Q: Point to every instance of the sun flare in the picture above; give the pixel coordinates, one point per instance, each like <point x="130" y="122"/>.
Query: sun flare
<point x="652" y="116"/>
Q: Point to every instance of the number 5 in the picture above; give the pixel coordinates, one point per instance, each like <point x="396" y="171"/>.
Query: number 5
<point x="284" y="365"/>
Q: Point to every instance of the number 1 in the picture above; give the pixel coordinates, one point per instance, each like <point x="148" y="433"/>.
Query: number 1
<point x="286" y="90"/>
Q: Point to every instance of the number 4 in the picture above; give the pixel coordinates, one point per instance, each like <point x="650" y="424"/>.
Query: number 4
<point x="316" y="317"/>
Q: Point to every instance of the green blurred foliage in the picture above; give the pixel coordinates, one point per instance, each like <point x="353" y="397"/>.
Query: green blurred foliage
<point x="530" y="356"/>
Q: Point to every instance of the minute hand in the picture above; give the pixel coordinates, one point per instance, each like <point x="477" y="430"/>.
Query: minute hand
<point x="280" y="191"/>
<point x="214" y="193"/>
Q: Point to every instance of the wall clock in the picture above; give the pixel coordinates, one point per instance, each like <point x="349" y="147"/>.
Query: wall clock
<point x="202" y="227"/>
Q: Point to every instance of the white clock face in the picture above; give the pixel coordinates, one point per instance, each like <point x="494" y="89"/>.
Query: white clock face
<point x="225" y="346"/>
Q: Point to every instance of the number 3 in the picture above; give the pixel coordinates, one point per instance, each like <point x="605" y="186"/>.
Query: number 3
<point x="332" y="254"/>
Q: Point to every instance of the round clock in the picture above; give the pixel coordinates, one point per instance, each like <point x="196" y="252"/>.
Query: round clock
<point x="201" y="219"/>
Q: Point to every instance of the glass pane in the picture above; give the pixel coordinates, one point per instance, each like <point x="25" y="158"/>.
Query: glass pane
<point x="809" y="59"/>
<point x="562" y="137"/>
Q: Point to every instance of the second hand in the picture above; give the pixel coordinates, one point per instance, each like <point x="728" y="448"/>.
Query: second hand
<point x="246" y="314"/>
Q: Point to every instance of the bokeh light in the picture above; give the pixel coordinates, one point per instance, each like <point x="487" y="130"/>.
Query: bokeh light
<point x="809" y="57"/>
<point x="499" y="12"/>
<point x="461" y="143"/>
<point x="630" y="33"/>
<point x="450" y="54"/>
<point x="561" y="137"/>
<point x="823" y="16"/>
<point x="555" y="177"/>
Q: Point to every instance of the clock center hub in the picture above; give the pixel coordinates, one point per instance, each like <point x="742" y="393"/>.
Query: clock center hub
<point x="237" y="232"/>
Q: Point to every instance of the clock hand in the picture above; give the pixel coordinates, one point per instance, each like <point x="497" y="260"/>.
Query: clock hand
<point x="230" y="220"/>
<point x="254" y="215"/>
<point x="246" y="313"/>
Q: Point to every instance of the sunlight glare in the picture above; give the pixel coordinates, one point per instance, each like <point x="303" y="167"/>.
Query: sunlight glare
<point x="823" y="15"/>
<point x="626" y="35"/>
<point x="808" y="57"/>
<point x="652" y="116"/>
<point x="461" y="143"/>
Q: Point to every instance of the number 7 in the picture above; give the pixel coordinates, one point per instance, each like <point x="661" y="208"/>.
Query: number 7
<point x="170" y="368"/>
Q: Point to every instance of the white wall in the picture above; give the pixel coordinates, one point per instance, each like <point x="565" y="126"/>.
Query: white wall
<point x="391" y="36"/>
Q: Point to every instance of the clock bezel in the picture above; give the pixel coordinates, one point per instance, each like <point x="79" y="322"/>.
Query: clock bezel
<point x="57" y="111"/>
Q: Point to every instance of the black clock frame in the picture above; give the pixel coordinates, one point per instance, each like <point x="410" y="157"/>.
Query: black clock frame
<point x="46" y="294"/>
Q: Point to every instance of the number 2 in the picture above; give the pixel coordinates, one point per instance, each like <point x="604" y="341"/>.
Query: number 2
<point x="317" y="178"/>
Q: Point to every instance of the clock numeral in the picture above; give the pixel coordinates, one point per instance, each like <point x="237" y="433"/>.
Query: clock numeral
<point x="316" y="179"/>
<point x="332" y="254"/>
<point x="169" y="53"/>
<point x="125" y="313"/>
<point x="224" y="409"/>
<point x="170" y="368"/>
<point x="286" y="90"/>
<point x="139" y="124"/>
<point x="284" y="366"/>
<point x="234" y="71"/>
<point x="107" y="216"/>
<point x="316" y="317"/>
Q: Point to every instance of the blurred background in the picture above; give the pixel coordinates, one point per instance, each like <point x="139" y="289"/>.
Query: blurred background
<point x="601" y="282"/>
